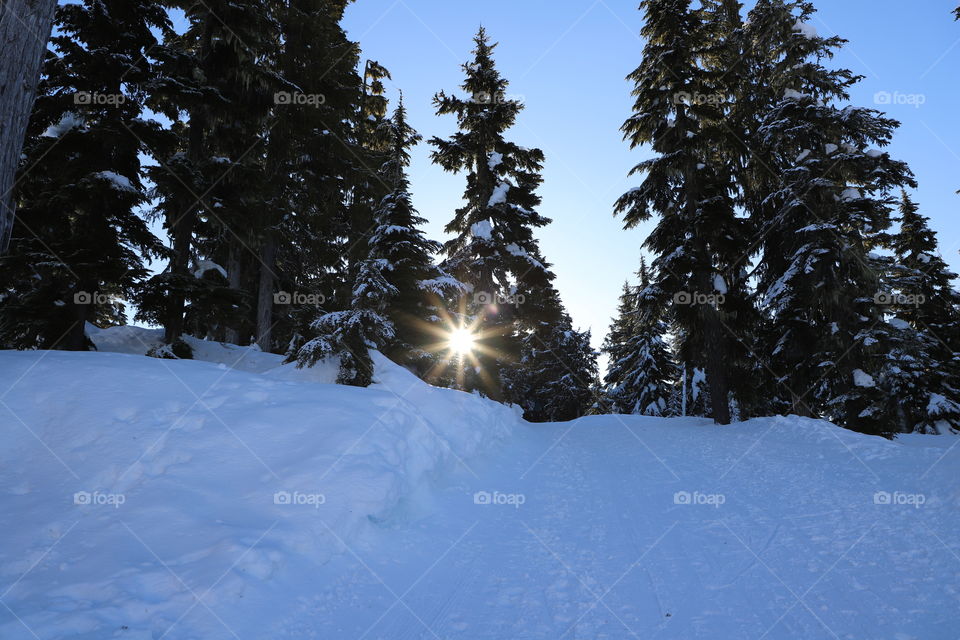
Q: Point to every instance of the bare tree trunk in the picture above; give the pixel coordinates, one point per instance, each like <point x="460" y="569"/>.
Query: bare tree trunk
<point x="24" y="30"/>
<point x="268" y="255"/>
<point x="716" y="367"/>
<point x="234" y="267"/>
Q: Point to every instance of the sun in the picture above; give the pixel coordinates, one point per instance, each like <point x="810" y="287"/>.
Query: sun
<point x="461" y="341"/>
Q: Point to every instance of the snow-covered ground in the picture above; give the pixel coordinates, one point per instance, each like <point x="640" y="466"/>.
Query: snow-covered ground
<point x="239" y="498"/>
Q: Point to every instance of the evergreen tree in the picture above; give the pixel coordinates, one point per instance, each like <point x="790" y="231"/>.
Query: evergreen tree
<point x="921" y="372"/>
<point x="313" y="162"/>
<point x="407" y="255"/>
<point x="213" y="84"/>
<point x="493" y="252"/>
<point x="555" y="378"/>
<point x="79" y="243"/>
<point x="349" y="335"/>
<point x="641" y="372"/>
<point x="818" y="272"/>
<point x="699" y="240"/>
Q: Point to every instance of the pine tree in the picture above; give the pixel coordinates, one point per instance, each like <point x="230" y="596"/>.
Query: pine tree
<point x="818" y="272"/>
<point x="313" y="160"/>
<point x="408" y="256"/>
<point x="493" y="252"/>
<point x="216" y="75"/>
<point x="921" y="372"/>
<point x="555" y="377"/>
<point x="641" y="372"/>
<point x="349" y="335"/>
<point x="699" y="240"/>
<point x="79" y="242"/>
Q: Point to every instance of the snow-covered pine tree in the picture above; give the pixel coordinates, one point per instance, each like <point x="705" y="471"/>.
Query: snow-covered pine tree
<point x="350" y="335"/>
<point x="493" y="251"/>
<point x="79" y="242"/>
<point x="921" y="373"/>
<point x="315" y="162"/>
<point x="699" y="240"/>
<point x="622" y="327"/>
<point x="408" y="256"/>
<point x="372" y="139"/>
<point x="641" y="373"/>
<point x="818" y="274"/>
<point x="557" y="373"/>
<point x="926" y="296"/>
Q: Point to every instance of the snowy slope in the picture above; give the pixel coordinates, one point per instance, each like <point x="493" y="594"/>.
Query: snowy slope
<point x="198" y="500"/>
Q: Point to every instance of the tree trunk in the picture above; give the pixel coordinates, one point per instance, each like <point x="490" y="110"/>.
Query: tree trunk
<point x="268" y="256"/>
<point x="182" y="231"/>
<point x="24" y="30"/>
<point x="234" y="266"/>
<point x="716" y="368"/>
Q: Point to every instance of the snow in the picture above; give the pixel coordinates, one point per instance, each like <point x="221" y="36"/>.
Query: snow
<point x="805" y="29"/>
<point x="499" y="195"/>
<point x="516" y="250"/>
<point x="117" y="181"/>
<point x="862" y="379"/>
<point x="495" y="160"/>
<point x="241" y="498"/>
<point x="849" y="194"/>
<point x="70" y="120"/>
<point x="482" y="229"/>
<point x="203" y="266"/>
<point x="719" y="284"/>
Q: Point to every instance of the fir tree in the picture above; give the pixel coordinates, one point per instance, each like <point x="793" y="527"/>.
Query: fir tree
<point x="408" y="255"/>
<point x="555" y="378"/>
<point x="79" y="242"/>
<point x="699" y="240"/>
<point x="641" y="372"/>
<point x="921" y="372"/>
<point x="493" y="250"/>
<point x="818" y="272"/>
<point x="349" y="335"/>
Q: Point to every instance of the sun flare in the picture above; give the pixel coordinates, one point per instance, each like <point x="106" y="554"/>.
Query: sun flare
<point x="461" y="341"/>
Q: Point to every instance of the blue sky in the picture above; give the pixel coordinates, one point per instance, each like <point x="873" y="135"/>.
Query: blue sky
<point x="568" y="61"/>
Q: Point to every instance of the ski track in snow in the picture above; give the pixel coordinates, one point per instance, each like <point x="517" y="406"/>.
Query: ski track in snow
<point x="783" y="537"/>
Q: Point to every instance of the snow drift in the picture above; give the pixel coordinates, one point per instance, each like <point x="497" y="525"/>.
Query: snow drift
<point x="128" y="478"/>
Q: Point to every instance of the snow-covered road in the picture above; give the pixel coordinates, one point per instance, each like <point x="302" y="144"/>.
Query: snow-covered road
<point x="786" y="542"/>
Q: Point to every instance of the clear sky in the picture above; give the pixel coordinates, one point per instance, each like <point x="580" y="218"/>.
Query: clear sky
<point x="568" y="60"/>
